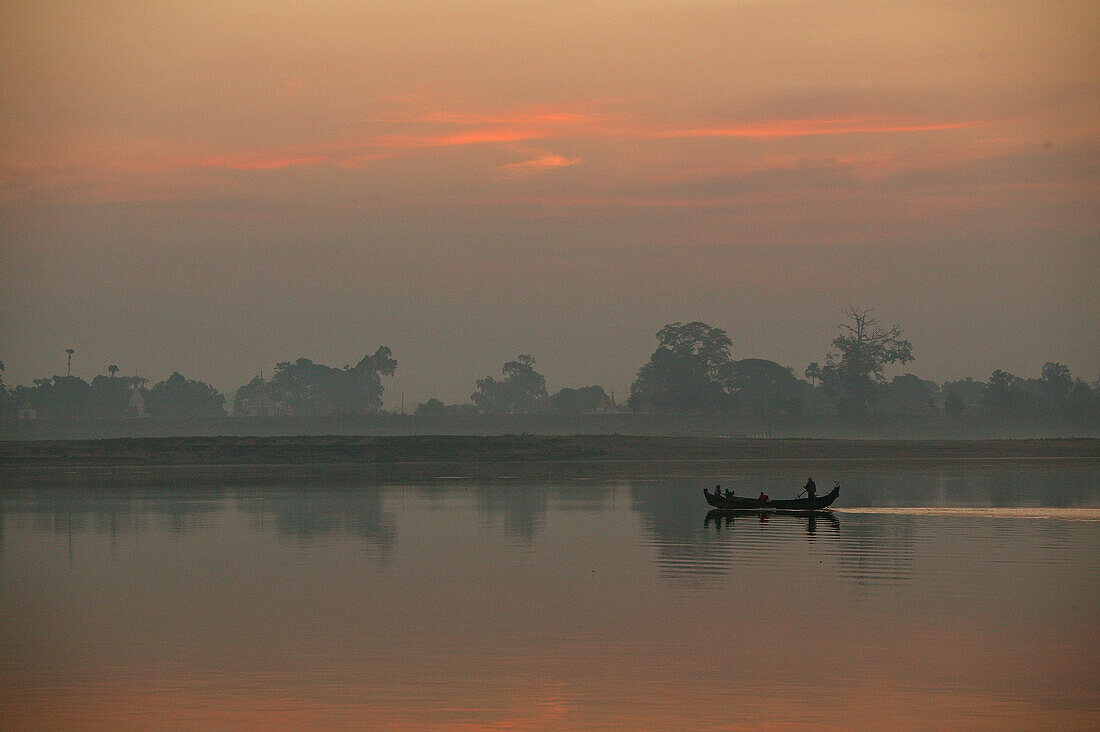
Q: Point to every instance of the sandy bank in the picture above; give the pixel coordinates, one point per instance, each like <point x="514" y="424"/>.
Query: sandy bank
<point x="338" y="450"/>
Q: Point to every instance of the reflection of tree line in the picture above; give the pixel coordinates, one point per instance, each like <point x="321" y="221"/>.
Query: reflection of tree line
<point x="310" y="513"/>
<point x="522" y="507"/>
<point x="303" y="513"/>
<point x="303" y="510"/>
<point x="110" y="513"/>
<point x="671" y="512"/>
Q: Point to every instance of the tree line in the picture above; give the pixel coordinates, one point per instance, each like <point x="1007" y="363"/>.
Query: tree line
<point x="692" y="370"/>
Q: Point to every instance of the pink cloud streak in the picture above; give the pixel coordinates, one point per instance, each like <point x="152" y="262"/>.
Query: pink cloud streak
<point x="419" y="133"/>
<point x="545" y="161"/>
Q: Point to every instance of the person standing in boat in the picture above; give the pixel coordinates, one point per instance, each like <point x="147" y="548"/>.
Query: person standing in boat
<point x="811" y="490"/>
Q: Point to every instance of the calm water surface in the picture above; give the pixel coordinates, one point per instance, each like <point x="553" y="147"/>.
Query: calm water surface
<point x="932" y="598"/>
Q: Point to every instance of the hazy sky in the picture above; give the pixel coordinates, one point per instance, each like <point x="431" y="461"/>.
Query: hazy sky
<point x="216" y="186"/>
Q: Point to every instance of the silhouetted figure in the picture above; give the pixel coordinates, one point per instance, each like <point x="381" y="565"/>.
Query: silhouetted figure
<point x="811" y="490"/>
<point x="763" y="497"/>
<point x="729" y="494"/>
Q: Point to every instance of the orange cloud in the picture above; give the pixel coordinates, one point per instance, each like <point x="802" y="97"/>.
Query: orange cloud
<point x="543" y="124"/>
<point x="454" y="139"/>
<point x="545" y="161"/>
<point x="97" y="159"/>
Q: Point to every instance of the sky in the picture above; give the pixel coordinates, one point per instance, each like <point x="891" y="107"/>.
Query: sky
<point x="213" y="187"/>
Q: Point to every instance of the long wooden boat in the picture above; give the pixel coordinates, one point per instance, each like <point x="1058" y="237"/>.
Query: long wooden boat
<point x="737" y="503"/>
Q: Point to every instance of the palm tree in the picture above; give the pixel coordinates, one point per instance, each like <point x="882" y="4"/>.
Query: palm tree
<point x="813" y="373"/>
<point x="112" y="370"/>
<point x="69" y="364"/>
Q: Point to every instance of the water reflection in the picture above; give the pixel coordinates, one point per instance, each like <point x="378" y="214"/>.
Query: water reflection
<point x="519" y="507"/>
<point x="867" y="552"/>
<point x="672" y="529"/>
<point x="864" y="552"/>
<point x="726" y="519"/>
<point x="991" y="485"/>
<point x="308" y="514"/>
<point x="112" y="513"/>
<point x="522" y="508"/>
<point x="875" y="552"/>
<point x="235" y="602"/>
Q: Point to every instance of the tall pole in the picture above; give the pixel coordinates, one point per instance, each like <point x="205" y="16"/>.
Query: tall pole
<point x="69" y="363"/>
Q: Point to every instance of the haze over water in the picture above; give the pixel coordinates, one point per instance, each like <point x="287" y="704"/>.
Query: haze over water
<point x="956" y="597"/>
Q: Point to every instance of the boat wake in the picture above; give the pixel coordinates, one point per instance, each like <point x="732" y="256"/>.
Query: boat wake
<point x="1037" y="512"/>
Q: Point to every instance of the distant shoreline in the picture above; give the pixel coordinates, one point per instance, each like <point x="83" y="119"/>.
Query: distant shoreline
<point x="321" y="451"/>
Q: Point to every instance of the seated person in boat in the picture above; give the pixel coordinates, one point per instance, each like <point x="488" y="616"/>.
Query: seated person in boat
<point x="729" y="494"/>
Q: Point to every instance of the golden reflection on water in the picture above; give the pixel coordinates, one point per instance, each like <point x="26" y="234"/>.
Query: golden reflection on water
<point x="619" y="606"/>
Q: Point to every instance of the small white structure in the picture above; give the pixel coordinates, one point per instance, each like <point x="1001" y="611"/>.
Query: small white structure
<point x="136" y="408"/>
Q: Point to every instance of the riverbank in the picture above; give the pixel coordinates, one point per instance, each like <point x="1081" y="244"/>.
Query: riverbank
<point x="365" y="451"/>
<point x="818" y="426"/>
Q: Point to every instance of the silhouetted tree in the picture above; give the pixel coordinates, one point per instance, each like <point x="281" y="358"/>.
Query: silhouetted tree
<point x="1006" y="395"/>
<point x="309" y="388"/>
<point x="180" y="398"/>
<point x="908" y="394"/>
<point x="685" y="373"/>
<point x="963" y="394"/>
<point x="110" y="396"/>
<point x="431" y="408"/>
<point x="759" y="386"/>
<point x="587" y="399"/>
<point x="522" y="389"/>
<point x="1064" y="398"/>
<point x="813" y="373"/>
<point x="1081" y="406"/>
<point x="436" y="408"/>
<point x="864" y="348"/>
<point x="253" y="399"/>
<point x="1055" y="382"/>
<point x="62" y="397"/>
<point x="112" y="370"/>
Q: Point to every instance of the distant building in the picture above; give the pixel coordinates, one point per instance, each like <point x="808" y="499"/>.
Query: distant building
<point x="135" y="409"/>
<point x="26" y="412"/>
<point x="260" y="405"/>
<point x="607" y="405"/>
